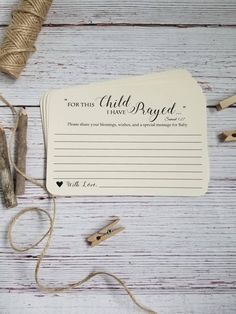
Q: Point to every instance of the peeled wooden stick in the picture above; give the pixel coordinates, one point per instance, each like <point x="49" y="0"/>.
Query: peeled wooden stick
<point x="21" y="150"/>
<point x="6" y="178"/>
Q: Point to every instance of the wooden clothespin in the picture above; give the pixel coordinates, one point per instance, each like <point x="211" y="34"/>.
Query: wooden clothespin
<point x="229" y="136"/>
<point x="104" y="234"/>
<point x="226" y="103"/>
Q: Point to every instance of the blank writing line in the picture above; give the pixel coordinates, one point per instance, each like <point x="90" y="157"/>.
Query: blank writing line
<point x="179" y="179"/>
<point x="127" y="134"/>
<point x="96" y="163"/>
<point x="150" y="187"/>
<point x="141" y="142"/>
<point x="132" y="156"/>
<point x="124" y="171"/>
<point x="113" y="149"/>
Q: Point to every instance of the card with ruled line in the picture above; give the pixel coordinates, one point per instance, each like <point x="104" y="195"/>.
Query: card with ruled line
<point x="143" y="135"/>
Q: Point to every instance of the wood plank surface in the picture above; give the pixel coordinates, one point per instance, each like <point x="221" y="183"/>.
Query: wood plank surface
<point x="79" y="303"/>
<point x="72" y="55"/>
<point x="178" y="245"/>
<point x="135" y="12"/>
<point x="167" y="303"/>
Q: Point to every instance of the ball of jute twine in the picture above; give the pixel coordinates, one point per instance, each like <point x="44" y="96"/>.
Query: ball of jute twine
<point x="48" y="234"/>
<point x="21" y="35"/>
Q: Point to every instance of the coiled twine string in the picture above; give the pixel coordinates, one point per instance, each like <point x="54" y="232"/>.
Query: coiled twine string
<point x="21" y="35"/>
<point x="48" y="233"/>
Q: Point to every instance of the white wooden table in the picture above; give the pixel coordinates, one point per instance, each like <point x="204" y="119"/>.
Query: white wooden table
<point x="178" y="255"/>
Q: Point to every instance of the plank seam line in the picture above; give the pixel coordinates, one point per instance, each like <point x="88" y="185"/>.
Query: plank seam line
<point x="177" y="25"/>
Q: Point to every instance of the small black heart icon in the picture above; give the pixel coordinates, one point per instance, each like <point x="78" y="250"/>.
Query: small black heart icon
<point x="59" y="183"/>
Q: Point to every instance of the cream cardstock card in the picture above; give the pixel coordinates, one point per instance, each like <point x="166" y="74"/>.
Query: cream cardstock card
<point x="169" y="75"/>
<point x="144" y="135"/>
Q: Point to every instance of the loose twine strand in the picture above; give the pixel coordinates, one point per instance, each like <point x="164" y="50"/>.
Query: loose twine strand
<point x="49" y="232"/>
<point x="21" y="34"/>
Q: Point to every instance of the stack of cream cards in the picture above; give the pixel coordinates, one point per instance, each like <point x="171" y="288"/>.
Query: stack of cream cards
<point x="144" y="135"/>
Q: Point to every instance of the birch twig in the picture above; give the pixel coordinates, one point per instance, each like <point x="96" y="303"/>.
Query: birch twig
<point x="21" y="150"/>
<point x="6" y="178"/>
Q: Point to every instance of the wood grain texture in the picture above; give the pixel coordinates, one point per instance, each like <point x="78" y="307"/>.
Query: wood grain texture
<point x="167" y="303"/>
<point x="170" y="244"/>
<point x="80" y="55"/>
<point x="82" y="303"/>
<point x="134" y="12"/>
